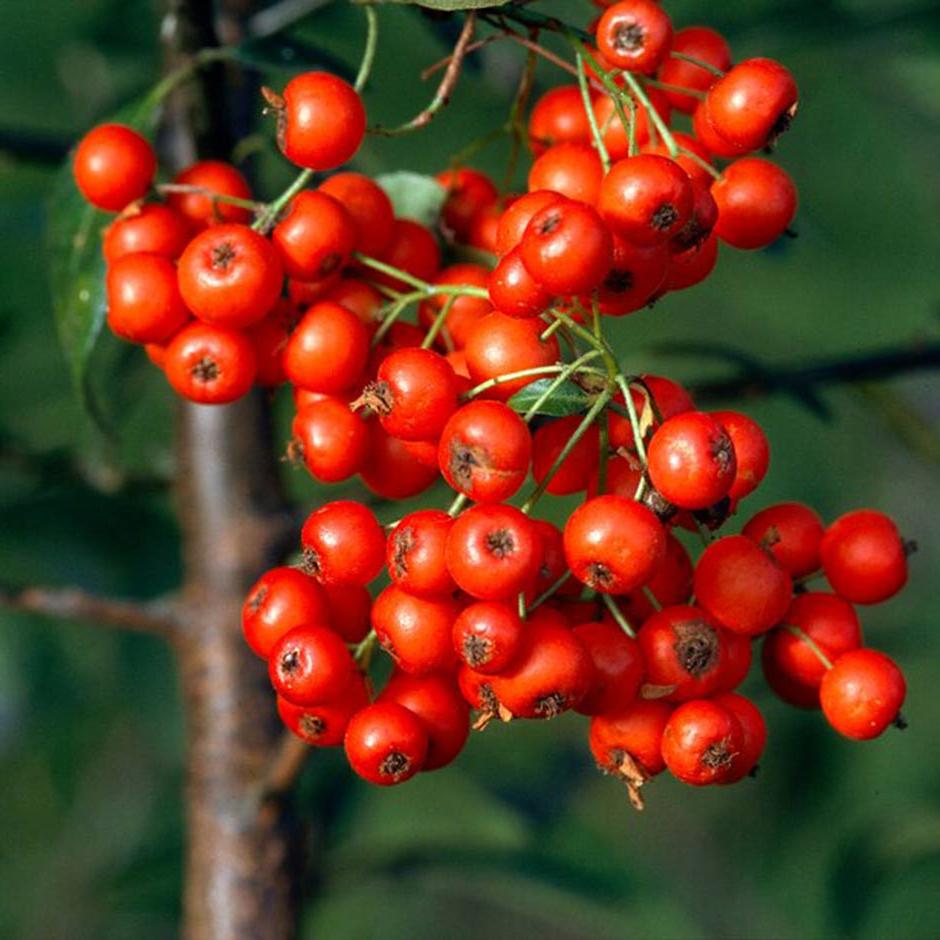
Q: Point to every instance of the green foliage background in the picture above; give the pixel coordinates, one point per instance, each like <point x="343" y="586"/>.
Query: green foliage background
<point x="523" y="837"/>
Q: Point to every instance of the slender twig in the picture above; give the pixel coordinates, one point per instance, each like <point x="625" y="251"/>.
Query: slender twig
<point x="72" y="603"/>
<point x="617" y="614"/>
<point x="474" y="46"/>
<point x="699" y="62"/>
<point x="368" y="55"/>
<point x="444" y="90"/>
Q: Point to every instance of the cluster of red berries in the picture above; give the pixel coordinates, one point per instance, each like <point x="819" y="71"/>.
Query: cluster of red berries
<point x="487" y="607"/>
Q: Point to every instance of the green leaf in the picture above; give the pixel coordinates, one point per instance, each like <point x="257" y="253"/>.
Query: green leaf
<point x="449" y="6"/>
<point x="414" y="196"/>
<point x="76" y="265"/>
<point x="567" y="399"/>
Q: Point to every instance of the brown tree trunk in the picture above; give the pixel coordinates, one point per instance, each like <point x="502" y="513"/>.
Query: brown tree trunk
<point x="242" y="860"/>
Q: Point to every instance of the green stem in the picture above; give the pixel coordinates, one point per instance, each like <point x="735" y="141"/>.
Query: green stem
<point x="169" y="82"/>
<point x="362" y="654"/>
<point x="438" y="323"/>
<point x="212" y="195"/>
<point x="548" y="592"/>
<point x="510" y="377"/>
<point x="702" y="65"/>
<point x="460" y="500"/>
<point x="394" y="311"/>
<point x="652" y="598"/>
<point x="598" y="343"/>
<point x="640" y="94"/>
<point x="677" y="89"/>
<point x="704" y="164"/>
<point x="810" y="642"/>
<point x="616" y="95"/>
<point x="579" y="432"/>
<point x="368" y="55"/>
<point x="556" y="383"/>
<point x="521" y="607"/>
<point x="589" y="111"/>
<point x="617" y="614"/>
<point x="269" y="217"/>
<point x="634" y="419"/>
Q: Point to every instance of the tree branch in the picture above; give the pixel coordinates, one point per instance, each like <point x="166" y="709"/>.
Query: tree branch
<point x="72" y="603"/>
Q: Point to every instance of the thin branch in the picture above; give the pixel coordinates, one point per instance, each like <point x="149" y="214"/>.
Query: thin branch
<point x="473" y="47"/>
<point x="71" y="603"/>
<point x="444" y="90"/>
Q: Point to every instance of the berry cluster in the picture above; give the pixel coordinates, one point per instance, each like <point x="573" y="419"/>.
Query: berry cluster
<point x="487" y="606"/>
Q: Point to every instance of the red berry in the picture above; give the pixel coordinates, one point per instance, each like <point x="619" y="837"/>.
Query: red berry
<point x="756" y="203"/>
<point x="113" y="166"/>
<point x="662" y="396"/>
<point x="493" y="552"/>
<point x="671" y="585"/>
<point x="516" y="218"/>
<point x="614" y="545"/>
<point x="413" y="249"/>
<point x="862" y="694"/>
<point x="444" y="714"/>
<point x="792" y="533"/>
<point x="487" y="636"/>
<point x="386" y="743"/>
<point x="572" y="170"/>
<point x="646" y="199"/>
<point x="332" y="441"/>
<point x="369" y="208"/>
<point x="150" y="228"/>
<point x="618" y="667"/>
<point x="703" y="44"/>
<point x="324" y="121"/>
<point x="558" y="117"/>
<point x="343" y="543"/>
<point x="465" y="311"/>
<point x="328" y="350"/>
<point x="751" y="452"/>
<point x="210" y="364"/>
<point x="391" y="470"/>
<point x="635" y="35"/>
<point x="637" y="272"/>
<point x="736" y="660"/>
<point x="864" y="557"/>
<point x="574" y="473"/>
<point x="754" y="731"/>
<point x="310" y="665"/>
<point x="230" y="276"/>
<point x="514" y="291"/>
<point x="468" y="193"/>
<point x="692" y="460"/>
<point x="325" y="725"/>
<point x="415" y="631"/>
<point x="315" y="238"/>
<point x="616" y="137"/>
<point x="210" y="178"/>
<point x="741" y="585"/>
<point x="635" y="732"/>
<point x="415" y="554"/>
<point x="281" y="599"/>
<point x="349" y="606"/>
<point x="702" y="743"/>
<point x="691" y="267"/>
<point x="144" y="303"/>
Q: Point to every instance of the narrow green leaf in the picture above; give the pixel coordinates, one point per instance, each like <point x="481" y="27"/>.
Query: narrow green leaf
<point x="414" y="196"/>
<point x="567" y="399"/>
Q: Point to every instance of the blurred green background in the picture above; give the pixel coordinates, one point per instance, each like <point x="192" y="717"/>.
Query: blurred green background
<point x="522" y="837"/>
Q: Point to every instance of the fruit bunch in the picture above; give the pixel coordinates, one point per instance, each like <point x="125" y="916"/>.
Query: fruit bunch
<point x="504" y="371"/>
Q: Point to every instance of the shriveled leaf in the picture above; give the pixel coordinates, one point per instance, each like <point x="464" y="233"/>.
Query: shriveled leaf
<point x="283" y="54"/>
<point x="567" y="399"/>
<point x="414" y="196"/>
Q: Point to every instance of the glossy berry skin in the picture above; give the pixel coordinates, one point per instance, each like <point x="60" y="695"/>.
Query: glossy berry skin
<point x="635" y="731"/>
<point x="443" y="712"/>
<point x="493" y="551"/>
<point x="230" y="276"/>
<point x="499" y="345"/>
<point x="616" y="139"/>
<point x="553" y="566"/>
<point x="567" y="248"/>
<point x="737" y="656"/>
<point x="315" y="238"/>
<point x="702" y="742"/>
<point x="416" y="631"/>
<point x="349" y="606"/>
<point x="692" y="461"/>
<point x="484" y="451"/>
<point x="862" y="694"/>
<point x="200" y="209"/>
<point x="829" y="622"/>
<point x="574" y="473"/>
<point x="634" y="35"/>
<point x="558" y="117"/>
<point x="514" y="291"/>
<point x="636" y="273"/>
<point x="551" y="672"/>
<point x="697" y="173"/>
<point x="369" y="208"/>
<point x="328" y="350"/>
<point x="465" y="311"/>
<point x="701" y="43"/>
<point x="325" y="725"/>
<point x="415" y="554"/>
<point x="618" y="667"/>
<point x="671" y="585"/>
<point x="516" y="217"/>
<point x="754" y="731"/>
<point x="613" y="544"/>
<point x="414" y="394"/>
<point x="756" y="200"/>
<point x="783" y="685"/>
<point x="469" y="192"/>
<point x="792" y="533"/>
<point x="310" y="665"/>
<point x="113" y="166"/>
<point x="343" y="543"/>
<point x="412" y="248"/>
<point x="487" y="635"/>
<point x="281" y="599"/>
<point x="752" y="104"/>
<point x="211" y="365"/>
<point x="391" y="470"/>
<point x="668" y="400"/>
<point x="572" y="170"/>
<point x="151" y="228"/>
<point x="359" y="298"/>
<point x="386" y="743"/>
<point x="646" y="199"/>
<point x="864" y="557"/>
<point x="332" y="441"/>
<point x="751" y="452"/>
<point x="144" y="302"/>
<point x="324" y="121"/>
<point x="693" y="266"/>
<point x="741" y="586"/>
